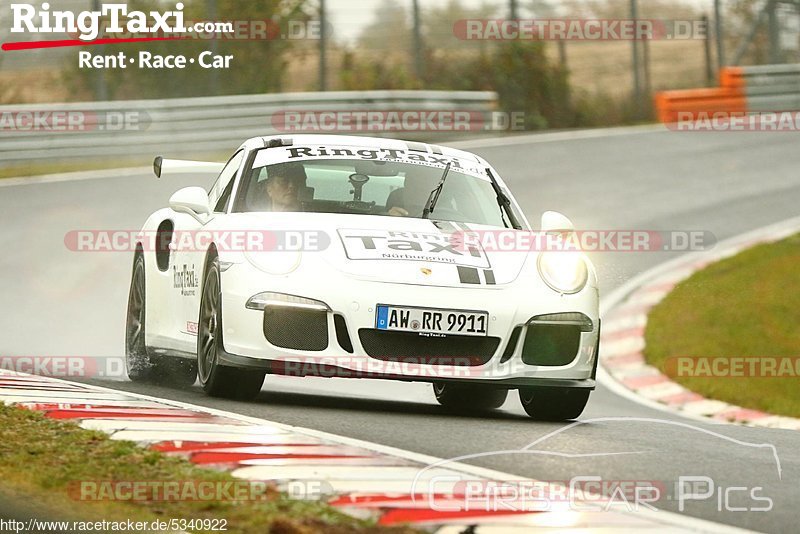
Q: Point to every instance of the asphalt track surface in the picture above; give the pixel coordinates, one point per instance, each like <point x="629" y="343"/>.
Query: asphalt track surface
<point x="58" y="302"/>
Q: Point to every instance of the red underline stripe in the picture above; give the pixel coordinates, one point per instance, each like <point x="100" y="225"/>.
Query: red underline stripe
<point x="30" y="45"/>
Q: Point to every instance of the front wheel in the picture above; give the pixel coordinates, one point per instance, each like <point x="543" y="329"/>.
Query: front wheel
<point x="554" y="404"/>
<point x="217" y="380"/>
<point x="141" y="365"/>
<point x="137" y="360"/>
<point x="463" y="397"/>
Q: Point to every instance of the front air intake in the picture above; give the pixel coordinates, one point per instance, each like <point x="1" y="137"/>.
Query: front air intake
<point x="296" y="328"/>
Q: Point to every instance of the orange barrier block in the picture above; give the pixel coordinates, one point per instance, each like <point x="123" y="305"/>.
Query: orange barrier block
<point x="672" y="106"/>
<point x="732" y="77"/>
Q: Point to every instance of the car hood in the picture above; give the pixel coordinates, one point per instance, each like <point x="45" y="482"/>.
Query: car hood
<point x="391" y="249"/>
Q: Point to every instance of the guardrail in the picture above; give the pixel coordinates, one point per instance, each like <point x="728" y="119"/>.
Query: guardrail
<point x="192" y="126"/>
<point x="763" y="88"/>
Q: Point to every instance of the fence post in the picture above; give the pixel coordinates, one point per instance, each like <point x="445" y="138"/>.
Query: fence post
<point x="323" y="38"/>
<point x="718" y="33"/>
<point x="637" y="75"/>
<point x="418" y="63"/>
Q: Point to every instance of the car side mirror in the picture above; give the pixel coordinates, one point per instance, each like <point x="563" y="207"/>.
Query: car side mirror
<point x="555" y="222"/>
<point x="191" y="200"/>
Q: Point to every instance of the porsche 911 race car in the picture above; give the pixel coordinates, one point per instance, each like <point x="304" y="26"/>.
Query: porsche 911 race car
<point x="356" y="257"/>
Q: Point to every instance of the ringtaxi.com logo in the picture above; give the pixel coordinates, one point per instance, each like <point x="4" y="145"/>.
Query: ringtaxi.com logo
<point x="26" y="18"/>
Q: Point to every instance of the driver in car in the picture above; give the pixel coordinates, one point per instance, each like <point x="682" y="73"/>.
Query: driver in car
<point x="410" y="200"/>
<point x="283" y="184"/>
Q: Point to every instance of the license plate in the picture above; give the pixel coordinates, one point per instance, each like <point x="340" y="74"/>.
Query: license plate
<point x="431" y="320"/>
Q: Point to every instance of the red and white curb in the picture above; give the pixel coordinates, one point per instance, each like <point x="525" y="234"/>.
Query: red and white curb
<point x="622" y="342"/>
<point x="363" y="479"/>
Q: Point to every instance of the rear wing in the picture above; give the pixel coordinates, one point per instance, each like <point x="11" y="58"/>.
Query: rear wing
<point x="177" y="166"/>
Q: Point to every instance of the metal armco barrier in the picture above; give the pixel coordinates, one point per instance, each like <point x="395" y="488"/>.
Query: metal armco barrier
<point x="763" y="88"/>
<point x="193" y="126"/>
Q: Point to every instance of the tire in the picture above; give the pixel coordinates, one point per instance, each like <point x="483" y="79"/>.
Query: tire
<point x="466" y="398"/>
<point x="217" y="380"/>
<point x="139" y="363"/>
<point x="137" y="360"/>
<point x="554" y="404"/>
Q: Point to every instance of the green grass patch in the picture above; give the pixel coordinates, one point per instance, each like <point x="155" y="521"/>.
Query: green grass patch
<point x="743" y="306"/>
<point x="42" y="460"/>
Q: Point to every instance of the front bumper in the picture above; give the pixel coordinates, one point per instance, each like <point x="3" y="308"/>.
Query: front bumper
<point x="354" y="302"/>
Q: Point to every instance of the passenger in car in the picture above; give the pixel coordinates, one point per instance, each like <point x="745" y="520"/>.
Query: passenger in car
<point x="409" y="200"/>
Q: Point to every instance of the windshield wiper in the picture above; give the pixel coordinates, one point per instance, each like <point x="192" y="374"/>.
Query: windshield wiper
<point x="434" y="196"/>
<point x="503" y="202"/>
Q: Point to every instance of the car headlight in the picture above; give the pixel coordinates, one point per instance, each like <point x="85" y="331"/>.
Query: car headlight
<point x="563" y="271"/>
<point x="261" y="301"/>
<point x="275" y="262"/>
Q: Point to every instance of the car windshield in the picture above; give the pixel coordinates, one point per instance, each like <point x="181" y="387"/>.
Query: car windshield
<point x="369" y="187"/>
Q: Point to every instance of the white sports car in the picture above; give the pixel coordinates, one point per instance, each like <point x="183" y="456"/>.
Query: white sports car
<point x="357" y="257"/>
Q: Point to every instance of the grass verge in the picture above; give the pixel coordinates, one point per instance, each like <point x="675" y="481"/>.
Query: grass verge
<point x="42" y="459"/>
<point x="741" y="308"/>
